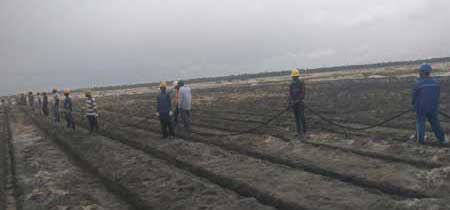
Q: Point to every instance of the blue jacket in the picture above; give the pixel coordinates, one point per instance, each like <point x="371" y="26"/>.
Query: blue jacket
<point x="68" y="104"/>
<point x="425" y="96"/>
<point x="163" y="104"/>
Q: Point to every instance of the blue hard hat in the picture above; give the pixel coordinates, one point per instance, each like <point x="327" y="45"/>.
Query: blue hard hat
<point x="426" y="67"/>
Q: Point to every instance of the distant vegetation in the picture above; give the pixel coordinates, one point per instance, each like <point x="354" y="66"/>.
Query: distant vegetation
<point x="286" y="72"/>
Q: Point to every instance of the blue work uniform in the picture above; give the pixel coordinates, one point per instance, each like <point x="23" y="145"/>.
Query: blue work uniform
<point x="425" y="99"/>
<point x="164" y="107"/>
<point x="68" y="112"/>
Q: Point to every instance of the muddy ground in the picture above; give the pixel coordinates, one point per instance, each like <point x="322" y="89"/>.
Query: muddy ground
<point x="380" y="159"/>
<point x="127" y="165"/>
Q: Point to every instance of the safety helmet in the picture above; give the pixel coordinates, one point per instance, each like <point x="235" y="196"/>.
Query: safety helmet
<point x="426" y="68"/>
<point x="295" y="72"/>
<point x="163" y="84"/>
<point x="88" y="93"/>
<point x="66" y="91"/>
<point x="175" y="83"/>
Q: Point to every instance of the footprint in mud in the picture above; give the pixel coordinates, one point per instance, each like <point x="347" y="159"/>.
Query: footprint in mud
<point x="359" y="144"/>
<point x="395" y="148"/>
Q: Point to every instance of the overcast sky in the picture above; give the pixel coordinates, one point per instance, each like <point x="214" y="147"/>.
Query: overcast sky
<point x="84" y="43"/>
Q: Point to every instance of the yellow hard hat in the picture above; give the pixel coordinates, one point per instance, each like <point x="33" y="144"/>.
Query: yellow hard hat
<point x="163" y="84"/>
<point x="66" y="91"/>
<point x="295" y="72"/>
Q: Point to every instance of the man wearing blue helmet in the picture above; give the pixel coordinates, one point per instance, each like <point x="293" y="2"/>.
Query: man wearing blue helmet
<point x="425" y="99"/>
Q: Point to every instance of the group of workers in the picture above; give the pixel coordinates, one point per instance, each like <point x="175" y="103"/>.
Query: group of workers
<point x="169" y="118"/>
<point x="40" y="103"/>
<point x="174" y="104"/>
<point x="425" y="101"/>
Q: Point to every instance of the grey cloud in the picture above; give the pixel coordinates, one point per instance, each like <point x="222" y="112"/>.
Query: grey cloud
<point x="63" y="43"/>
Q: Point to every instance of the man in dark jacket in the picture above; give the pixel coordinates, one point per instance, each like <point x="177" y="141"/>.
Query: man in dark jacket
<point x="425" y="100"/>
<point x="296" y="97"/>
<point x="68" y="108"/>
<point x="55" y="107"/>
<point x="45" y="104"/>
<point x="31" y="100"/>
<point x="164" y="111"/>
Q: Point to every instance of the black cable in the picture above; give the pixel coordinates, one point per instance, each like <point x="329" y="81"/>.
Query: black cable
<point x="445" y="115"/>
<point x="358" y="129"/>
<point x="265" y="123"/>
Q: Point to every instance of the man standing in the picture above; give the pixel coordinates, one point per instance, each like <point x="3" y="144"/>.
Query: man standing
<point x="23" y="100"/>
<point x="55" y="106"/>
<point x="39" y="103"/>
<point x="425" y="99"/>
<point x="296" y="97"/>
<point x="164" y="111"/>
<point x="184" y="105"/>
<point x="45" y="104"/>
<point x="31" y="100"/>
<point x="91" y="112"/>
<point x="68" y="109"/>
<point x="176" y="87"/>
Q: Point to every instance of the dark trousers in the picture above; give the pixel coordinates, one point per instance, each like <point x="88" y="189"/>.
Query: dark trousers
<point x="175" y="115"/>
<point x="299" y="113"/>
<point x="45" y="110"/>
<point x="56" y="115"/>
<point x="186" y="118"/>
<point x="69" y="120"/>
<point x="435" y="126"/>
<point x="93" y="124"/>
<point x="166" y="125"/>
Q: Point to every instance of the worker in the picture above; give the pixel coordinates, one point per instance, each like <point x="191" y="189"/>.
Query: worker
<point x="23" y="100"/>
<point x="164" y="111"/>
<point x="45" y="104"/>
<point x="176" y="88"/>
<point x="91" y="112"/>
<point x="55" y="106"/>
<point x="296" y="97"/>
<point x="31" y="100"/>
<point x="68" y="108"/>
<point x="39" y="103"/>
<point x="425" y="100"/>
<point x="184" y="105"/>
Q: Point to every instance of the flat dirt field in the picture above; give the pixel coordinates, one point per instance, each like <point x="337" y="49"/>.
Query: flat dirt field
<point x="242" y="152"/>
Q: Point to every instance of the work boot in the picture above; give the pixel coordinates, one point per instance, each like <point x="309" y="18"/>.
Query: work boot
<point x="300" y="137"/>
<point x="446" y="141"/>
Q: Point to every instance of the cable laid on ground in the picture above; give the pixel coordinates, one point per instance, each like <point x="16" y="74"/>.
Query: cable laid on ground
<point x="445" y="115"/>
<point x="265" y="123"/>
<point x="280" y="113"/>
<point x="357" y="129"/>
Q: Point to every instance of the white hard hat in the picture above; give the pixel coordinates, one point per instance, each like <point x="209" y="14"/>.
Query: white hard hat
<point x="175" y="83"/>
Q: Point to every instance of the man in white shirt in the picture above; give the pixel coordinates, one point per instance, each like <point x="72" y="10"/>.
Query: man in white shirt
<point x="184" y="104"/>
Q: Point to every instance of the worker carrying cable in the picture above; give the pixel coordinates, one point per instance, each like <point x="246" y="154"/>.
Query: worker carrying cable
<point x="45" y="104"/>
<point x="22" y="100"/>
<point x="296" y="97"/>
<point x="31" y="100"/>
<point x="55" y="106"/>
<point x="91" y="112"/>
<point x="39" y="103"/>
<point x="184" y="105"/>
<point x="164" y="111"/>
<point x="176" y="92"/>
<point x="425" y="99"/>
<point x="68" y="108"/>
